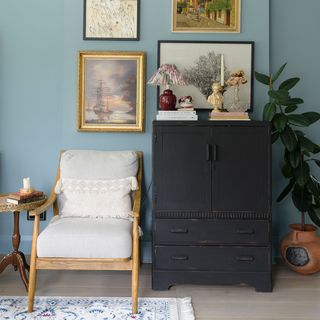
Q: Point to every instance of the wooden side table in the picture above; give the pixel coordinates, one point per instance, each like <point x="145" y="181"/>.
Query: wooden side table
<point x="16" y="257"/>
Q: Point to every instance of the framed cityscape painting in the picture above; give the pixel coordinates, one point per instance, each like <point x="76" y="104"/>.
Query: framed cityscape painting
<point x="203" y="63"/>
<point x="111" y="91"/>
<point x="111" y="19"/>
<point x="206" y="15"/>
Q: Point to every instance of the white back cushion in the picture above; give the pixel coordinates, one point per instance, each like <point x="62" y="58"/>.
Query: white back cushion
<point x="97" y="183"/>
<point x="98" y="165"/>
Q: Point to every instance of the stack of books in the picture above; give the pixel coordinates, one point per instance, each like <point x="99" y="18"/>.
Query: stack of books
<point x="229" y="116"/>
<point x="18" y="198"/>
<point x="177" y="115"/>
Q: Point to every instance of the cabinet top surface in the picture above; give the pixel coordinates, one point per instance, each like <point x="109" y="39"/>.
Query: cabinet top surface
<point x="208" y="123"/>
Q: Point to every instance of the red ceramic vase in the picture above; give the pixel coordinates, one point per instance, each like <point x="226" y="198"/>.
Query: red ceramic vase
<point x="167" y="100"/>
<point x="301" y="249"/>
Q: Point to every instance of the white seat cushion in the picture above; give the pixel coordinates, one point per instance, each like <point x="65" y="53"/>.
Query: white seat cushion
<point x="86" y="238"/>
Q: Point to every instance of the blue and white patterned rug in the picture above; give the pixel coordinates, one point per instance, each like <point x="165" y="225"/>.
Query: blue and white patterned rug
<point x="72" y="308"/>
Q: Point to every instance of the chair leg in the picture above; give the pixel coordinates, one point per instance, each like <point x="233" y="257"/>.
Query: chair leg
<point x="135" y="287"/>
<point x="32" y="287"/>
<point x="33" y="269"/>
<point x="135" y="268"/>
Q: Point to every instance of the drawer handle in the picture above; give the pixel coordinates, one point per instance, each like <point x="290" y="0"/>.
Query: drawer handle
<point x="179" y="258"/>
<point x="245" y="259"/>
<point x="245" y="231"/>
<point x="179" y="230"/>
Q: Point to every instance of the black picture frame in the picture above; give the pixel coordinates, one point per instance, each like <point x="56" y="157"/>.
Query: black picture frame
<point x="86" y="37"/>
<point x="250" y="77"/>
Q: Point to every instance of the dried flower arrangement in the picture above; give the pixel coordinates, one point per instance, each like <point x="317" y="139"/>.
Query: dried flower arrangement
<point x="236" y="78"/>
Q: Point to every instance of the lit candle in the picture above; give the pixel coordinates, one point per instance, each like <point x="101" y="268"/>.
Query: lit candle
<point x="26" y="183"/>
<point x="222" y="71"/>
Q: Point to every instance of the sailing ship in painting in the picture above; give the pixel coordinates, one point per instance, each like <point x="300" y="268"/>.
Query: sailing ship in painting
<point x="105" y="108"/>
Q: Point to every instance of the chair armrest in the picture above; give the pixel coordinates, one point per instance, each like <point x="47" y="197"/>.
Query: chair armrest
<point x="137" y="203"/>
<point x="137" y="195"/>
<point x="45" y="206"/>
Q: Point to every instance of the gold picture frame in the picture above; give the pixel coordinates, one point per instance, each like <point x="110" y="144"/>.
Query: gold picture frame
<point x="206" y="16"/>
<point x="111" y="91"/>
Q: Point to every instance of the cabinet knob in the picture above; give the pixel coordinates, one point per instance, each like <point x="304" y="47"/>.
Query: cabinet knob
<point x="179" y="230"/>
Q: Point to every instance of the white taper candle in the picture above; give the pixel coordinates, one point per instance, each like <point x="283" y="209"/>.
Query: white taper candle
<point x="26" y="183"/>
<point x="222" y="70"/>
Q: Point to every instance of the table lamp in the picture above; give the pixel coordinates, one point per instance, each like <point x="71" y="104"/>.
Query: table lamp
<point x="167" y="75"/>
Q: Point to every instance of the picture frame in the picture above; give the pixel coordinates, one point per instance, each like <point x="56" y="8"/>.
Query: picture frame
<point x="111" y="20"/>
<point x="111" y="91"/>
<point x="186" y="55"/>
<point x="206" y="16"/>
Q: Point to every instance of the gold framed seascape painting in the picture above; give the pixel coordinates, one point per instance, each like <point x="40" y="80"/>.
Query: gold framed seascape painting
<point x="111" y="19"/>
<point x="206" y="16"/>
<point x="111" y="91"/>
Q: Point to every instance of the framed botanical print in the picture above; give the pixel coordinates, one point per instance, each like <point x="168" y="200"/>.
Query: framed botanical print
<point x="111" y="19"/>
<point x="206" y="15"/>
<point x="111" y="91"/>
<point x="203" y="63"/>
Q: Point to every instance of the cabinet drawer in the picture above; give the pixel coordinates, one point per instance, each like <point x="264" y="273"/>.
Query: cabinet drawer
<point x="223" y="259"/>
<point x="180" y="231"/>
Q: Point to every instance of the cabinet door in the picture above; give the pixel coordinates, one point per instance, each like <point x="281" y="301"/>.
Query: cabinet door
<point x="182" y="168"/>
<point x="241" y="169"/>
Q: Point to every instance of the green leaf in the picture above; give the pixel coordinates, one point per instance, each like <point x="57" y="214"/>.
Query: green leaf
<point x="292" y="102"/>
<point x="278" y="73"/>
<point x="312" y="116"/>
<point x="302" y="174"/>
<point x="262" y="78"/>
<point x="302" y="198"/>
<point x="289" y="138"/>
<point x="308" y="145"/>
<point x="290" y="109"/>
<point x="317" y="162"/>
<point x="280" y="121"/>
<point x="314" y="187"/>
<point x="314" y="214"/>
<point x="280" y="95"/>
<point x="275" y="136"/>
<point x="286" y="190"/>
<point x="294" y="158"/>
<point x="289" y="84"/>
<point x="287" y="170"/>
<point x="298" y="120"/>
<point x="299" y="133"/>
<point x="269" y="111"/>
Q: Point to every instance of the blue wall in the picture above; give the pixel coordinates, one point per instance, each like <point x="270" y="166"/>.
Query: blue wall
<point x="294" y="39"/>
<point x="39" y="41"/>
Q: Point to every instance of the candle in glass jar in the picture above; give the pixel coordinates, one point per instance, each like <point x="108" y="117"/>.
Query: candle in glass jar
<point x="222" y="71"/>
<point x="26" y="183"/>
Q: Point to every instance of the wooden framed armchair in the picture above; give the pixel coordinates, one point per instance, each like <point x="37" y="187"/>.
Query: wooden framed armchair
<point x="82" y="235"/>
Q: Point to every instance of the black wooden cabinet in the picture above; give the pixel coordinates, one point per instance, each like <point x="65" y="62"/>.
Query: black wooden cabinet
<point x="211" y="203"/>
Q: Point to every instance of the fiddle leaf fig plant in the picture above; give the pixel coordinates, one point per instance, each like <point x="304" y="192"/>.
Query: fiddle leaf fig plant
<point x="300" y="162"/>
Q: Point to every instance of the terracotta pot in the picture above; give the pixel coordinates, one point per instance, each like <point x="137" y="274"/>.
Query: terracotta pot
<point x="301" y="249"/>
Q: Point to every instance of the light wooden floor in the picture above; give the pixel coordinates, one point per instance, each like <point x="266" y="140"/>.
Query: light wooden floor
<point x="294" y="296"/>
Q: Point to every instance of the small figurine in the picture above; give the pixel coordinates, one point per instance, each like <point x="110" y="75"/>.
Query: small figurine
<point x="216" y="98"/>
<point x="185" y="102"/>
